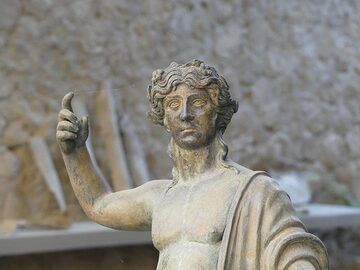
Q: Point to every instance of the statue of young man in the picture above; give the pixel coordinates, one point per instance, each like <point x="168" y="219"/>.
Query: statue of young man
<point x="214" y="213"/>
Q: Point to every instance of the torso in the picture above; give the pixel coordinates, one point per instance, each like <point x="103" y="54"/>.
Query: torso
<point x="189" y="221"/>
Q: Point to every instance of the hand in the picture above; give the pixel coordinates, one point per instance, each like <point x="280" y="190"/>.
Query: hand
<point x="70" y="132"/>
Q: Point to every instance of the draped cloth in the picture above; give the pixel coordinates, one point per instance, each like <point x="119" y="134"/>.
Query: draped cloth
<point x="262" y="231"/>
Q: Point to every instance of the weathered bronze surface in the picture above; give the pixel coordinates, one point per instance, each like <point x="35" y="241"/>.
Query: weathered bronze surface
<point x="214" y="213"/>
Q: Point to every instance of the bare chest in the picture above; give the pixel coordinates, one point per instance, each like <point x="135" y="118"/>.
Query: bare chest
<point x="192" y="213"/>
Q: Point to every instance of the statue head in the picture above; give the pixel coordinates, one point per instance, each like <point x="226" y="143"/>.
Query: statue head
<point x="192" y="101"/>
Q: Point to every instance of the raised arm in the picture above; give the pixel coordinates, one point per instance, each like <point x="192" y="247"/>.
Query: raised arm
<point x="123" y="210"/>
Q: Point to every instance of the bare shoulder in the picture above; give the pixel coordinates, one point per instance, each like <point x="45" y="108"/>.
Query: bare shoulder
<point x="152" y="190"/>
<point x="159" y="183"/>
<point x="143" y="196"/>
<point x="155" y="185"/>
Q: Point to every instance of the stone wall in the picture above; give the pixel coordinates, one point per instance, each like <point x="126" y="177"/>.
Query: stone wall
<point x="293" y="65"/>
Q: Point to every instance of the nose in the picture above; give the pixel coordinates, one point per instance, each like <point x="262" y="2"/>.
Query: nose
<point x="185" y="114"/>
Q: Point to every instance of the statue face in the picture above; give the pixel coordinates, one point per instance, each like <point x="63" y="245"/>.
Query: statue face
<point x="190" y="117"/>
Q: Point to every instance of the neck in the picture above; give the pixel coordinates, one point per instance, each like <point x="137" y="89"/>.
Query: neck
<point x="192" y="164"/>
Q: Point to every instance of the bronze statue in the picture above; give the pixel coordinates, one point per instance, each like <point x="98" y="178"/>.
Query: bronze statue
<point x="214" y="213"/>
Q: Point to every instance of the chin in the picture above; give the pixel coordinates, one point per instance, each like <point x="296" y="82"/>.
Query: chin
<point x="191" y="141"/>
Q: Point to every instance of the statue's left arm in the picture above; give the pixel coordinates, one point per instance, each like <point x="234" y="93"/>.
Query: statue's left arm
<point x="263" y="232"/>
<point x="287" y="244"/>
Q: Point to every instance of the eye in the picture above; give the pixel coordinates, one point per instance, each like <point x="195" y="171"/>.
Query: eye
<point x="199" y="102"/>
<point x="174" y="104"/>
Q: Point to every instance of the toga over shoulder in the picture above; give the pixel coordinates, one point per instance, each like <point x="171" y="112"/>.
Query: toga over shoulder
<point x="262" y="231"/>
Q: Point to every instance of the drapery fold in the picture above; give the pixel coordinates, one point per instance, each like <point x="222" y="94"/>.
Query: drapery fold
<point x="262" y="231"/>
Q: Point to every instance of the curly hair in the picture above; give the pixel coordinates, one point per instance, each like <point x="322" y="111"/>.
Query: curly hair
<point x="195" y="74"/>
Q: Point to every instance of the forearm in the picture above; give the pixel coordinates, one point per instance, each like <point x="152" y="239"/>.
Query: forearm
<point x="88" y="185"/>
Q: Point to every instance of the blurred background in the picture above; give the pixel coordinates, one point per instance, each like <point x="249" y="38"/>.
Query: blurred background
<point x="294" y="67"/>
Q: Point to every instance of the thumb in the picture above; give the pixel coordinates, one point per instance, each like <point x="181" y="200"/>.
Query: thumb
<point x="66" y="102"/>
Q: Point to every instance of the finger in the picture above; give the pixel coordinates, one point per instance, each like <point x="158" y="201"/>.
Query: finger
<point x="67" y="126"/>
<point x="85" y="124"/>
<point x="66" y="102"/>
<point x="65" y="114"/>
<point x="65" y="135"/>
<point x="84" y="130"/>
